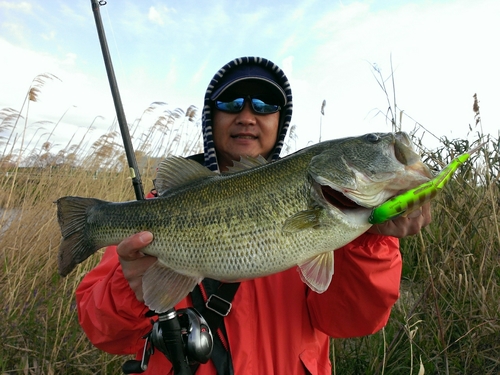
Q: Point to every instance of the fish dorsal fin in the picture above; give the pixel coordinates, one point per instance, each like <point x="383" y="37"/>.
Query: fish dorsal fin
<point x="307" y="219"/>
<point x="163" y="287"/>
<point x="317" y="272"/>
<point x="175" y="171"/>
<point x="247" y="162"/>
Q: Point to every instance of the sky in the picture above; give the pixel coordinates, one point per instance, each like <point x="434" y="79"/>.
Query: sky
<point x="441" y="52"/>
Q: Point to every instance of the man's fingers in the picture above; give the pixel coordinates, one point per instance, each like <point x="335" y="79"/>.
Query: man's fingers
<point x="130" y="248"/>
<point x="405" y="225"/>
<point x="414" y="214"/>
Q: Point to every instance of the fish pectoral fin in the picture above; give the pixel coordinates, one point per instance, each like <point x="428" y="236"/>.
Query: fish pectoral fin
<point x="302" y="220"/>
<point x="317" y="272"/>
<point x="163" y="287"/>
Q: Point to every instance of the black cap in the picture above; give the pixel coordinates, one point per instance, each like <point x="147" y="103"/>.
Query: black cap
<point x="250" y="72"/>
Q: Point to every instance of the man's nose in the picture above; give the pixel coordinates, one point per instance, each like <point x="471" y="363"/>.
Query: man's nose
<point x="247" y="115"/>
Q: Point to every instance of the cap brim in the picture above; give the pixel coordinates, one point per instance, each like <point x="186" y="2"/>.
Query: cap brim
<point x="255" y="73"/>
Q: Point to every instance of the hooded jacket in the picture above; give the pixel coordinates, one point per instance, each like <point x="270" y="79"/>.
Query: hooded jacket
<point x="277" y="325"/>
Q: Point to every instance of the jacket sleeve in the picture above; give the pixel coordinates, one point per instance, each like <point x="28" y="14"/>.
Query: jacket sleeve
<point x="108" y="311"/>
<point x="364" y="287"/>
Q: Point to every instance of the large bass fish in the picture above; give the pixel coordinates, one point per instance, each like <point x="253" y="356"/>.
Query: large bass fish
<point x="260" y="219"/>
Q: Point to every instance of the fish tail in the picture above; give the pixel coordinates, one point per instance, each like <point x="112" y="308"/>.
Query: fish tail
<point x="76" y="244"/>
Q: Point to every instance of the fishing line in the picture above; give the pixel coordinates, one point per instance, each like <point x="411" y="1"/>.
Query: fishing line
<point x="115" y="126"/>
<point x="121" y="68"/>
<point x="113" y="35"/>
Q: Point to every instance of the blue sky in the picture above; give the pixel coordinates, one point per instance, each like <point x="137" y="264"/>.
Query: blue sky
<point x="442" y="53"/>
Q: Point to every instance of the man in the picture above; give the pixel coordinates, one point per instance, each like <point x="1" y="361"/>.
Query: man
<point x="277" y="325"/>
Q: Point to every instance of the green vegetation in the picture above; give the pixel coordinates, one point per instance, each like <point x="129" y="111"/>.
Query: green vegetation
<point x="447" y="319"/>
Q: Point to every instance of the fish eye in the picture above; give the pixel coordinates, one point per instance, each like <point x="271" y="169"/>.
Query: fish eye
<point x="372" y="138"/>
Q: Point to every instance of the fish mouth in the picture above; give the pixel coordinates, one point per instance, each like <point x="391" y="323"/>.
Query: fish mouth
<point x="361" y="181"/>
<point x="337" y="199"/>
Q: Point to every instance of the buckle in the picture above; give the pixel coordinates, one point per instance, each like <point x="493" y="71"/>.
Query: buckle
<point x="218" y="305"/>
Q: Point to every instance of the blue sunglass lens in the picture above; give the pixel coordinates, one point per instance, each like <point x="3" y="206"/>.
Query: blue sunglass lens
<point x="261" y="107"/>
<point x="236" y="105"/>
<point x="233" y="106"/>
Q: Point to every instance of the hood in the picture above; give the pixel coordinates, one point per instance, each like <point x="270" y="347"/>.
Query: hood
<point x="218" y="80"/>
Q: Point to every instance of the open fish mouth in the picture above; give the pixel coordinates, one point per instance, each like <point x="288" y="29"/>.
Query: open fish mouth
<point x="337" y="199"/>
<point x="365" y="179"/>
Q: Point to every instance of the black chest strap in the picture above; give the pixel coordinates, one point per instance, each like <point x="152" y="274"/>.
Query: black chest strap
<point x="213" y="300"/>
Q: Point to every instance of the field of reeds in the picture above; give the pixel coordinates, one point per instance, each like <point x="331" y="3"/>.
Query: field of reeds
<point x="447" y="320"/>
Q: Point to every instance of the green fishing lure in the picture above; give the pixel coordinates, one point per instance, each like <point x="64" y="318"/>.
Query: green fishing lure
<point x="413" y="199"/>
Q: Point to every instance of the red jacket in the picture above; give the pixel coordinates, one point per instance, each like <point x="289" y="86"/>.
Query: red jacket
<point x="277" y="324"/>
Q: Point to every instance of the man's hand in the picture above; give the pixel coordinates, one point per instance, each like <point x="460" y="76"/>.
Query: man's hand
<point x="134" y="263"/>
<point x="405" y="226"/>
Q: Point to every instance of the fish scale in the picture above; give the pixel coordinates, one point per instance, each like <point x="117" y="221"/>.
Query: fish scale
<point x="260" y="219"/>
<point x="220" y="224"/>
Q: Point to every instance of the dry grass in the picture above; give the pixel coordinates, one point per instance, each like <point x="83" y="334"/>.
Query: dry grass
<point x="447" y="319"/>
<point x="39" y="330"/>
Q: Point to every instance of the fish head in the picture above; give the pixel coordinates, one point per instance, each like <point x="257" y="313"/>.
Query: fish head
<point x="368" y="170"/>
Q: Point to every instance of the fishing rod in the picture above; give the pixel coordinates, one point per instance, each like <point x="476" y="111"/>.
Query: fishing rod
<point x="167" y="334"/>
<point x="120" y="114"/>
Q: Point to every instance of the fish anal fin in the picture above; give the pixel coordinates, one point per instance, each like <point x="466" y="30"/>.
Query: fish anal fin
<point x="317" y="272"/>
<point x="302" y="220"/>
<point x="163" y="287"/>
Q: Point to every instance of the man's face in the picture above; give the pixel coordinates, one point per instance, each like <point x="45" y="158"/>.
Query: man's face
<point x="245" y="133"/>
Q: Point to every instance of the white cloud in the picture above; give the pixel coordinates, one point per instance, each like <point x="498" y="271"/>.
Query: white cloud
<point x="22" y="6"/>
<point x="154" y="16"/>
<point x="440" y="59"/>
<point x="287" y="66"/>
<point x="14" y="29"/>
<point x="70" y="59"/>
<point x="161" y="15"/>
<point x="49" y="36"/>
<point x="56" y="96"/>
<point x="202" y="72"/>
<point x="442" y="54"/>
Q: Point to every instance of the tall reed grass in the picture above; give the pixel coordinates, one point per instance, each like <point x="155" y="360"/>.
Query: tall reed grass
<point x="447" y="320"/>
<point x="39" y="331"/>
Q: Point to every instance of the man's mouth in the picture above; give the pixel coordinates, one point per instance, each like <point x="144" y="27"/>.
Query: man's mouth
<point x="244" y="136"/>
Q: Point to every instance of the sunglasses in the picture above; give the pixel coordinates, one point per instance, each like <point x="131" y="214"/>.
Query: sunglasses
<point x="236" y="105"/>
